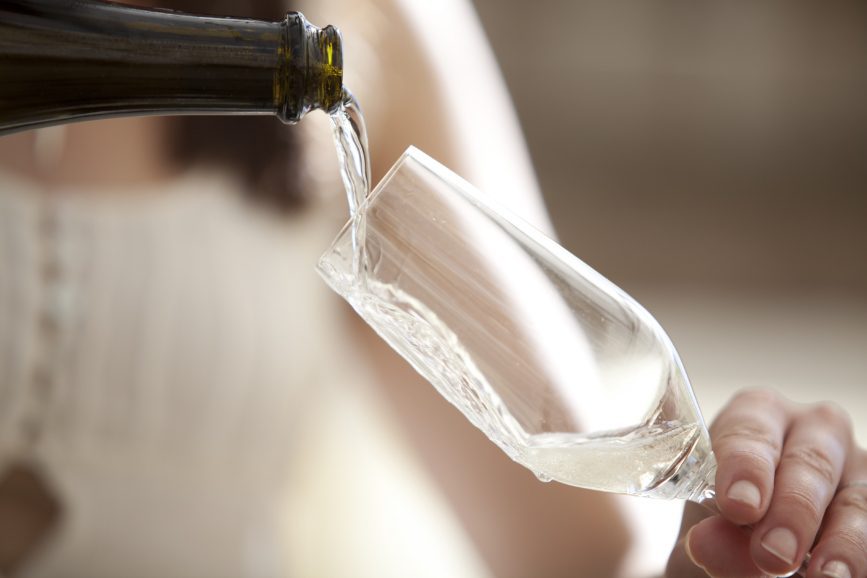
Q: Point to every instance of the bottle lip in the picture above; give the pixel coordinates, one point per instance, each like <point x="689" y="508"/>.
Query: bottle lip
<point x="311" y="69"/>
<point x="331" y="37"/>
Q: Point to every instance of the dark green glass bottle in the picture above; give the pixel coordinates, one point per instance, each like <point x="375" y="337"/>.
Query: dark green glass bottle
<point x="69" y="60"/>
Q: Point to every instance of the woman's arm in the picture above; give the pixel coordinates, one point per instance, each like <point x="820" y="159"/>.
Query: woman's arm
<point x="435" y="85"/>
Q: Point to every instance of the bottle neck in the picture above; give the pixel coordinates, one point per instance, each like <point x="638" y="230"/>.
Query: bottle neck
<point x="97" y="59"/>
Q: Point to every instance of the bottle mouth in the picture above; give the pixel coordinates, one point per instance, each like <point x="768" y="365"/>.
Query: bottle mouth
<point x="331" y="48"/>
<point x="311" y="70"/>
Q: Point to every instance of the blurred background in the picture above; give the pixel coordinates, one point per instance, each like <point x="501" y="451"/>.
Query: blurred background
<point x="709" y="158"/>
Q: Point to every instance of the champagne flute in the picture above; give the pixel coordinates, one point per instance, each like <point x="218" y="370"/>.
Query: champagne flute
<point x="561" y="369"/>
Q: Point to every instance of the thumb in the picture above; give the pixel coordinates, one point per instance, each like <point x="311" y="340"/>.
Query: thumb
<point x="714" y="547"/>
<point x="680" y="565"/>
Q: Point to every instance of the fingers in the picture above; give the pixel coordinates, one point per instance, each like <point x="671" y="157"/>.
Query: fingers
<point x="807" y="477"/>
<point x="841" y="551"/>
<point x="779" y="469"/>
<point x="747" y="440"/>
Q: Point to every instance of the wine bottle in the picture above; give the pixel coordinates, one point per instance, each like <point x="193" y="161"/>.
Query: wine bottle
<point x="71" y="60"/>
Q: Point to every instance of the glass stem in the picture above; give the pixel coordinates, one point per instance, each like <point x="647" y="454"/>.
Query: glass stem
<point x="704" y="485"/>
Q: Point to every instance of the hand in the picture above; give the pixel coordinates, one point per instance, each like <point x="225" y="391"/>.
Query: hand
<point x="792" y="473"/>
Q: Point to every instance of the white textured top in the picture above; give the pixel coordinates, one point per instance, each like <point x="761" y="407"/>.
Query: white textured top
<point x="151" y="344"/>
<point x="173" y="364"/>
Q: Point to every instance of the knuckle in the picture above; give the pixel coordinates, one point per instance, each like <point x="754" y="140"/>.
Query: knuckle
<point x="831" y="413"/>
<point x="758" y="396"/>
<point x="750" y="432"/>
<point x="849" y="540"/>
<point x="802" y="504"/>
<point x="852" y="499"/>
<point x="754" y="459"/>
<point x="815" y="460"/>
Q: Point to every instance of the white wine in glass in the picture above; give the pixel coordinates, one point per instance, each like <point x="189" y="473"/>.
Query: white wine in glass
<point x="561" y="369"/>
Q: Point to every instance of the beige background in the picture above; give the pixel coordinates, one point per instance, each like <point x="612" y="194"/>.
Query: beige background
<point x="711" y="159"/>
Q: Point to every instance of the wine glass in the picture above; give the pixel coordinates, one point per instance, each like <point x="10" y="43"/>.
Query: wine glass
<point x="561" y="369"/>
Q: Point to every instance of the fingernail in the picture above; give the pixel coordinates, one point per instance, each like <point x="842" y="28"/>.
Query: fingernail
<point x="688" y="551"/>
<point x="782" y="543"/>
<point x="836" y="569"/>
<point x="746" y="493"/>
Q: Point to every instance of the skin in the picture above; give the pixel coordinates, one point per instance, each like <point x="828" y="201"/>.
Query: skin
<point x="802" y="459"/>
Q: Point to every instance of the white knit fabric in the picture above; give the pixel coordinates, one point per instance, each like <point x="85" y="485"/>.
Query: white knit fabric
<point x="183" y="326"/>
